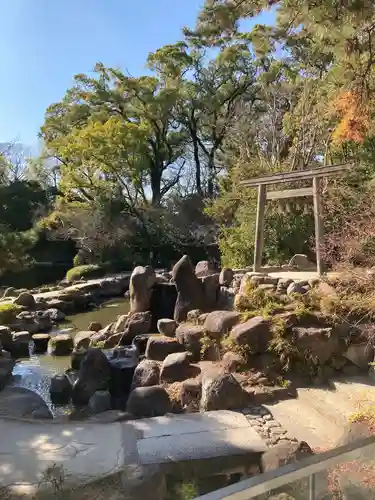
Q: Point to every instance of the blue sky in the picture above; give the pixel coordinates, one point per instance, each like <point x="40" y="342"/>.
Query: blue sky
<point x="44" y="43"/>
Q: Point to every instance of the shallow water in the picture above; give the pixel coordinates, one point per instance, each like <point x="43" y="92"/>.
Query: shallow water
<point x="35" y="372"/>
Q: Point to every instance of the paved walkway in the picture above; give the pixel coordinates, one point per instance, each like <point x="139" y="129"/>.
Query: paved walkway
<point x="89" y="451"/>
<point x="319" y="416"/>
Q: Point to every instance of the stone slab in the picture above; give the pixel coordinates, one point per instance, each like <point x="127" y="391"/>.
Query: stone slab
<point x="84" y="452"/>
<point x="197" y="437"/>
<point x="191" y="423"/>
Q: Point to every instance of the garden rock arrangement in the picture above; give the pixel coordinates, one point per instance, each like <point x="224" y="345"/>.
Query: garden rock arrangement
<point x="272" y="334"/>
<point x="21" y="311"/>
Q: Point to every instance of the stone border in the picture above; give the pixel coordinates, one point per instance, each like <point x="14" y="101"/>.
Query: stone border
<point x="264" y="424"/>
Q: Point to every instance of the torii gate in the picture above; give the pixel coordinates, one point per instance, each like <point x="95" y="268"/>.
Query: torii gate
<point x="316" y="174"/>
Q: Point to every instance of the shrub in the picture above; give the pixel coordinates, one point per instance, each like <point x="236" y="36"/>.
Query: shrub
<point x="8" y="313"/>
<point x="87" y="271"/>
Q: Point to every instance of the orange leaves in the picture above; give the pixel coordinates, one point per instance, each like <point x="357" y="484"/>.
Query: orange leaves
<point x="354" y="118"/>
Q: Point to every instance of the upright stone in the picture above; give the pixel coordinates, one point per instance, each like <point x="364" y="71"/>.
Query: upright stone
<point x="190" y="289"/>
<point x="141" y="283"/>
<point x="94" y="375"/>
<point x="226" y="276"/>
<point x="211" y="290"/>
<point x="204" y="268"/>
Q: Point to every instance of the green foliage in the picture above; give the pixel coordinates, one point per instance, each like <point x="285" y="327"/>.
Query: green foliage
<point x="8" y="313"/>
<point x="88" y="271"/>
<point x="230" y="345"/>
<point x="14" y="247"/>
<point x="182" y="490"/>
<point x="255" y="301"/>
<point x="134" y="160"/>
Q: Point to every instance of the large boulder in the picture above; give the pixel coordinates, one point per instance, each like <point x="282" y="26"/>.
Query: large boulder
<point x="100" y="402"/>
<point x="112" y="341"/>
<point x="145" y="402"/>
<point x="226" y="298"/>
<point x="20" y="344"/>
<point x="322" y="343"/>
<point x="94" y="375"/>
<point x="204" y="268"/>
<point x="76" y="357"/>
<point x="83" y="339"/>
<point x="6" y="368"/>
<point x="192" y="316"/>
<point x="141" y="281"/>
<point x="190" y="394"/>
<point x="360" y="354"/>
<point x="94" y="326"/>
<point x="6" y="339"/>
<point x="22" y="403"/>
<point x="298" y="287"/>
<point x="232" y="362"/>
<point x="62" y="304"/>
<point x="158" y="347"/>
<point x="254" y="334"/>
<point x="33" y="321"/>
<point x="226" y="276"/>
<point x="301" y="261"/>
<point x="40" y="342"/>
<point x="218" y="323"/>
<point x="284" y="454"/>
<point x="137" y="324"/>
<point x="163" y="302"/>
<point x="146" y="374"/>
<point x="361" y="348"/>
<point x="123" y="362"/>
<point x="54" y="314"/>
<point x="60" y="389"/>
<point x="25" y="299"/>
<point x="190" y="337"/>
<point x="176" y="367"/>
<point x="120" y="323"/>
<point x="61" y="345"/>
<point x="190" y="289"/>
<point x="221" y="391"/>
<point x="167" y="327"/>
<point x="211" y="290"/>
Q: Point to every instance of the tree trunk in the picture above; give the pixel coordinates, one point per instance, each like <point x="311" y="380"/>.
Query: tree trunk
<point x="211" y="175"/>
<point x="156" y="173"/>
<point x="194" y="138"/>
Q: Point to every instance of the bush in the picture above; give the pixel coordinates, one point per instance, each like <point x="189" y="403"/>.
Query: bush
<point x="8" y="313"/>
<point x="87" y="271"/>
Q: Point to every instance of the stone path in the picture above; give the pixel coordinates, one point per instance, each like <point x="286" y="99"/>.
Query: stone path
<point x="84" y="452"/>
<point x="207" y="443"/>
<point x="265" y="425"/>
<point x="319" y="416"/>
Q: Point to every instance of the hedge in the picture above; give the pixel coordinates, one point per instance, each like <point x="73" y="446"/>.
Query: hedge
<point x="86" y="271"/>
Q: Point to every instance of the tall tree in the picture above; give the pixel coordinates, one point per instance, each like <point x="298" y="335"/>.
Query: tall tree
<point x="210" y="89"/>
<point x="136" y="113"/>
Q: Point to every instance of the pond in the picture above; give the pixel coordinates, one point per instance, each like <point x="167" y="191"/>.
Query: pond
<point x="35" y="372"/>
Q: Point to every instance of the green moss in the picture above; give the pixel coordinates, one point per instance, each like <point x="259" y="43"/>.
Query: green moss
<point x="182" y="490"/>
<point x="87" y="271"/>
<point x="230" y="345"/>
<point x="8" y="313"/>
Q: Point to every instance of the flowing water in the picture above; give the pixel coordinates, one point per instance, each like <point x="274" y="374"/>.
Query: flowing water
<point x="35" y="372"/>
